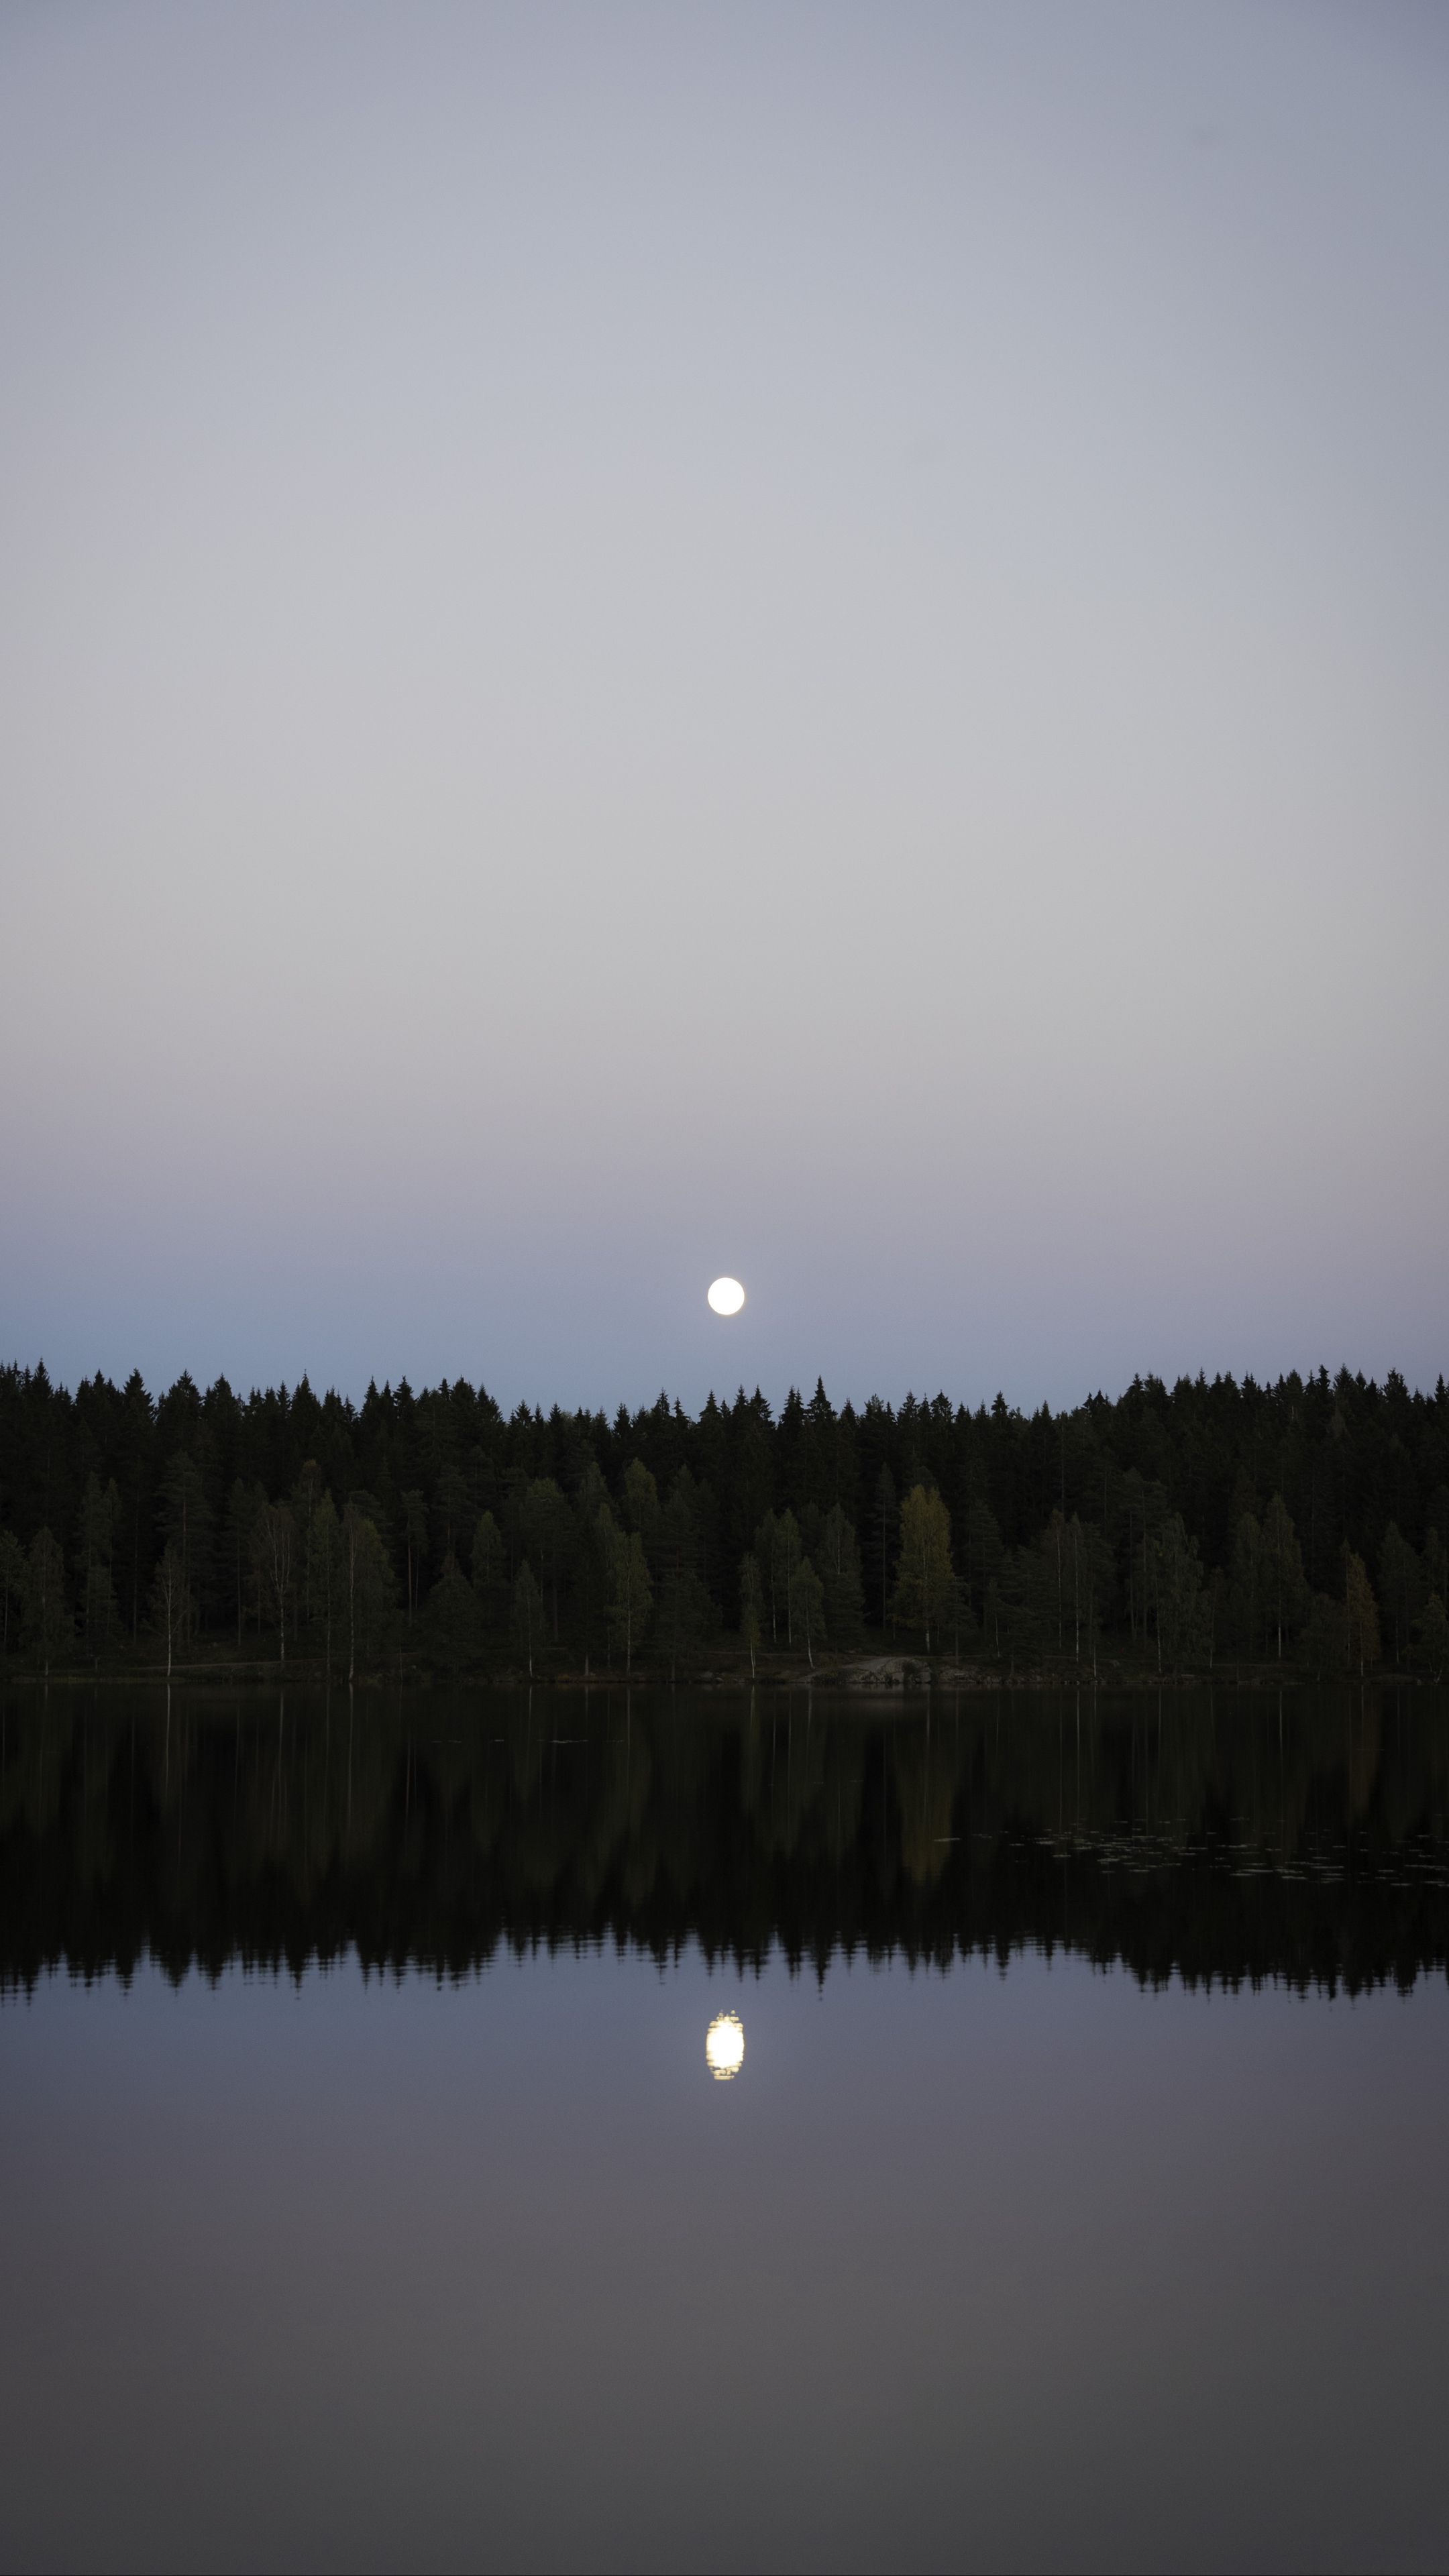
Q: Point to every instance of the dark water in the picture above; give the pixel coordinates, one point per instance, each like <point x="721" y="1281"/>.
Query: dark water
<point x="1082" y="2199"/>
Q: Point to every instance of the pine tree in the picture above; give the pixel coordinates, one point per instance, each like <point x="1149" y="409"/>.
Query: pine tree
<point x="46" y="1617"/>
<point x="274" y="1544"/>
<point x="241" y="1521"/>
<point x="548" y="1530"/>
<point x="779" y="1550"/>
<point x="450" y="1508"/>
<point x="324" y="1569"/>
<point x="100" y="1514"/>
<point x="641" y="1500"/>
<point x="1431" y="1637"/>
<point x="1246" y="1582"/>
<point x="367" y="1578"/>
<point x="305" y="1499"/>
<point x="1363" y="1618"/>
<point x="415" y="1540"/>
<point x="685" y="1612"/>
<point x="1323" y="1639"/>
<point x="631" y="1586"/>
<point x="885" y="1539"/>
<point x="12" y="1585"/>
<point x="591" y="1564"/>
<point x="488" y="1566"/>
<point x="450" y="1618"/>
<point x="1179" y="1597"/>
<point x="838" y="1560"/>
<point x="1402" y="1587"/>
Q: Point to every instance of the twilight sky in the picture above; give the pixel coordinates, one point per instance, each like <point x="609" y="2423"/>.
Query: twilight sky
<point x="640" y="641"/>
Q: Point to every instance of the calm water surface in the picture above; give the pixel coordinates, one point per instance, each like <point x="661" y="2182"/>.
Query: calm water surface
<point x="367" y="2200"/>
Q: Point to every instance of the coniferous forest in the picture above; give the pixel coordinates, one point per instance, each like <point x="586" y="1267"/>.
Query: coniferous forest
<point x="1174" y="1530"/>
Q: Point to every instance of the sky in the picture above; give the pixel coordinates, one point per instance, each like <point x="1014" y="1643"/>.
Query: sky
<point x="645" y="641"/>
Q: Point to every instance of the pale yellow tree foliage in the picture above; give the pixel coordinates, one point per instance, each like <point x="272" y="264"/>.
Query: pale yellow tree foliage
<point x="925" y="1580"/>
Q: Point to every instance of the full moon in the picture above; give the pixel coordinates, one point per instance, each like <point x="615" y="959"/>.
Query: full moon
<point x="724" y="2046"/>
<point x="726" y="1296"/>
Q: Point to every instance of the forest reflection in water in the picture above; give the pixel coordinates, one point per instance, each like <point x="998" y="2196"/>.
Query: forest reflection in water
<point x="1222" y="1836"/>
<point x="651" y="2207"/>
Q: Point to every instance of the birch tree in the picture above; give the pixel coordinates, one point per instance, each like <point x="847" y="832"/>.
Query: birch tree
<point x="528" y="1612"/>
<point x="925" y="1581"/>
<point x="275" y="1545"/>
<point x="807" y="1604"/>
<point x="752" y="1606"/>
<point x="169" y="1598"/>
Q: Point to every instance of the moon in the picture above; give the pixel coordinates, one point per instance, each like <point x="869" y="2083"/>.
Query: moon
<point x="726" y="1296"/>
<point x="724" y="2046"/>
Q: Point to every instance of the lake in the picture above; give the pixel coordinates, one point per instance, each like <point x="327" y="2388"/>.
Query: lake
<point x="370" y="2201"/>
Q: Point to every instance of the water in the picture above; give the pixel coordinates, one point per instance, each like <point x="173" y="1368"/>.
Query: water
<point x="368" y="2201"/>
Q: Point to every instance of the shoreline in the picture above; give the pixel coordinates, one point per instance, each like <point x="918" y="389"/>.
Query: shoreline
<point x="867" y="1677"/>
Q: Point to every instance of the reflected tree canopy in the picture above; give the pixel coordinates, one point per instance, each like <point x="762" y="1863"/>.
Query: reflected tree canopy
<point x="1220" y="1837"/>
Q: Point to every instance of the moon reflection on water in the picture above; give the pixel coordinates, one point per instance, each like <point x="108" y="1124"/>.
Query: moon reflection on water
<point x="724" y="2046"/>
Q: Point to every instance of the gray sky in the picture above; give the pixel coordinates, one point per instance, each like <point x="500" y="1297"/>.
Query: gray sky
<point x="644" y="641"/>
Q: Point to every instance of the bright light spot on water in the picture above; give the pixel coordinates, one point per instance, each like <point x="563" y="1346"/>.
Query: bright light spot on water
<point x="724" y="2046"/>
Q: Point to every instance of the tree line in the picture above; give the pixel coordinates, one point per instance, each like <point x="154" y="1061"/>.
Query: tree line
<point x="1301" y="1525"/>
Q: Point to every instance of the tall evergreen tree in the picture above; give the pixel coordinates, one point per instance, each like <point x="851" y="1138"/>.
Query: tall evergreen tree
<point x="415" y="1541"/>
<point x="1363" y="1618"/>
<point x="324" y="1570"/>
<point x="838" y="1560"/>
<point x="488" y="1562"/>
<point x="1402" y="1588"/>
<point x="885" y="1538"/>
<point x="12" y="1586"/>
<point x="367" y="1581"/>
<point x="100" y="1515"/>
<point x="1284" y="1590"/>
<point x="48" y="1621"/>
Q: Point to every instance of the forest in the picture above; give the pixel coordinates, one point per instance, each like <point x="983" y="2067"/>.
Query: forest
<point x="1168" y="1531"/>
